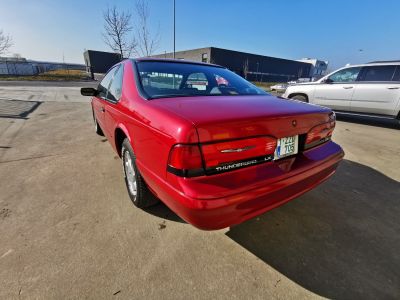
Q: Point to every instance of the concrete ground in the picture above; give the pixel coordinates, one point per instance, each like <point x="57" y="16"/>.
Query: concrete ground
<point x="69" y="230"/>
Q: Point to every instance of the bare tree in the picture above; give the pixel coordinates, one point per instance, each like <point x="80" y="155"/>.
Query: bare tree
<point x="5" y="42"/>
<point x="117" y="28"/>
<point x="147" y="41"/>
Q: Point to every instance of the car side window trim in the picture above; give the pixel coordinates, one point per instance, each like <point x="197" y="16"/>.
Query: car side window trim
<point x="115" y="68"/>
<point x="118" y="67"/>
<point x="108" y="86"/>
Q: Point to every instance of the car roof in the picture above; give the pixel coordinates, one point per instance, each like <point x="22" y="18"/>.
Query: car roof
<point x="171" y="60"/>
<point x="375" y="64"/>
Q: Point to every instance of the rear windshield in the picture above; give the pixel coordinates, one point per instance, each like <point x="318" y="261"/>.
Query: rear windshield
<point x="169" y="79"/>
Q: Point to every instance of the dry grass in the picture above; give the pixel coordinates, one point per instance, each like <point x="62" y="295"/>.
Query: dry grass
<point x="264" y="85"/>
<point x="57" y="75"/>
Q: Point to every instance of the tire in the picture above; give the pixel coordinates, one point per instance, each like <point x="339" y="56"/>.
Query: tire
<point x="300" y="98"/>
<point x="138" y="191"/>
<point x="97" y="128"/>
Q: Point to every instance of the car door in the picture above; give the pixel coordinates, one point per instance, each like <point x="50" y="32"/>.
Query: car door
<point x="377" y="92"/>
<point x="337" y="90"/>
<point x="111" y="101"/>
<point x="98" y="101"/>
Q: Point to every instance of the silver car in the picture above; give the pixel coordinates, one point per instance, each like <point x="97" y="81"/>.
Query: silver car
<point x="368" y="89"/>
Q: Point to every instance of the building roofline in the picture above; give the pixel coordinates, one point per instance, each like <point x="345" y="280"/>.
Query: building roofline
<point x="236" y="51"/>
<point x="182" y="61"/>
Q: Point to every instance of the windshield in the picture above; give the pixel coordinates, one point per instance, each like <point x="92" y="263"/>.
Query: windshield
<point x="169" y="79"/>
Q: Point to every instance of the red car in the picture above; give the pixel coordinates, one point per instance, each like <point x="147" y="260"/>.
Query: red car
<point x="214" y="148"/>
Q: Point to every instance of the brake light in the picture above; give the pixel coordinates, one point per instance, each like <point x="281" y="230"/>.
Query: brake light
<point x="239" y="150"/>
<point x="319" y="134"/>
<point x="185" y="160"/>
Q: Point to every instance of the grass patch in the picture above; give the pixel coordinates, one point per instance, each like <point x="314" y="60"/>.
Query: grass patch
<point x="57" y="75"/>
<point x="265" y="85"/>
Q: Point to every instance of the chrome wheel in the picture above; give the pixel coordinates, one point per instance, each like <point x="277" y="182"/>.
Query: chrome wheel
<point x="130" y="173"/>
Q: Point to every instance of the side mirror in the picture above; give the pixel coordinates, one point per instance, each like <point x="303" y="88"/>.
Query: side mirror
<point x="327" y="80"/>
<point x="88" y="91"/>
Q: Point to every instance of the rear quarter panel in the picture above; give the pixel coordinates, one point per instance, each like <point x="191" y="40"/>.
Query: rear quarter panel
<point x="151" y="131"/>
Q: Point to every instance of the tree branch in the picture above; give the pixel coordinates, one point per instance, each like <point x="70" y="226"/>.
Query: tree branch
<point x="5" y="42"/>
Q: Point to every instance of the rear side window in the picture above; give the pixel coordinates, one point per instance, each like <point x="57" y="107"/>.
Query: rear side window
<point x="378" y="73"/>
<point x="396" y="76"/>
<point x="105" y="83"/>
<point x="115" y="90"/>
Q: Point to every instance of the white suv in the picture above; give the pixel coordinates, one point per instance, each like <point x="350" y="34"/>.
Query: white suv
<point x="370" y="89"/>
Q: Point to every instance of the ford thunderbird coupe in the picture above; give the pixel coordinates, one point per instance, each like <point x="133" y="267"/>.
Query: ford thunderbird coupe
<point x="213" y="147"/>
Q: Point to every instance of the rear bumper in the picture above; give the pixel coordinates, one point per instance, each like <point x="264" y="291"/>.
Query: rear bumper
<point x="215" y="202"/>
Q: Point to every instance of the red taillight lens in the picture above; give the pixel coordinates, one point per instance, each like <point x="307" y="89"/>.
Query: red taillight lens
<point x="187" y="160"/>
<point x="225" y="152"/>
<point x="184" y="158"/>
<point x="320" y="134"/>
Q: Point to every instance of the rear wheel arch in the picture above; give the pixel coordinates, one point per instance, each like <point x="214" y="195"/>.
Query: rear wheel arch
<point x="120" y="135"/>
<point x="138" y="190"/>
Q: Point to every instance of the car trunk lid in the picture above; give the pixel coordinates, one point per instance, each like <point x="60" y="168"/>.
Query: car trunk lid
<point x="234" y="117"/>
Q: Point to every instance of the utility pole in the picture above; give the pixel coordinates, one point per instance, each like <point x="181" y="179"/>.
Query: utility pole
<point x="174" y="29"/>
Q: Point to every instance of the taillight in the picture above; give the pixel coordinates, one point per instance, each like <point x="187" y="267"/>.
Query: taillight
<point x="220" y="153"/>
<point x="185" y="160"/>
<point x="320" y="134"/>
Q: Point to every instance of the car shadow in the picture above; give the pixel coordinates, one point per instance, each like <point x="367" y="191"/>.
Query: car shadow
<point x="162" y="211"/>
<point x="371" y="121"/>
<point x="340" y="240"/>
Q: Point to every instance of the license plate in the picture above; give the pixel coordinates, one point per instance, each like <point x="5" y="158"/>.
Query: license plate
<point x="287" y="146"/>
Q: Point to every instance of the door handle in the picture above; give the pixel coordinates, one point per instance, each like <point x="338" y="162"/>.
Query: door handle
<point x="393" y="88"/>
<point x="347" y="87"/>
<point x="102" y="109"/>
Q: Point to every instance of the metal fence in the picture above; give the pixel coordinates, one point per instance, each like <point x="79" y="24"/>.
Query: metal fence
<point x="17" y="68"/>
<point x="20" y="66"/>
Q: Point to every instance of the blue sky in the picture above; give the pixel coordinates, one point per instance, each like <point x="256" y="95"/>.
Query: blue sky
<point x="329" y="30"/>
